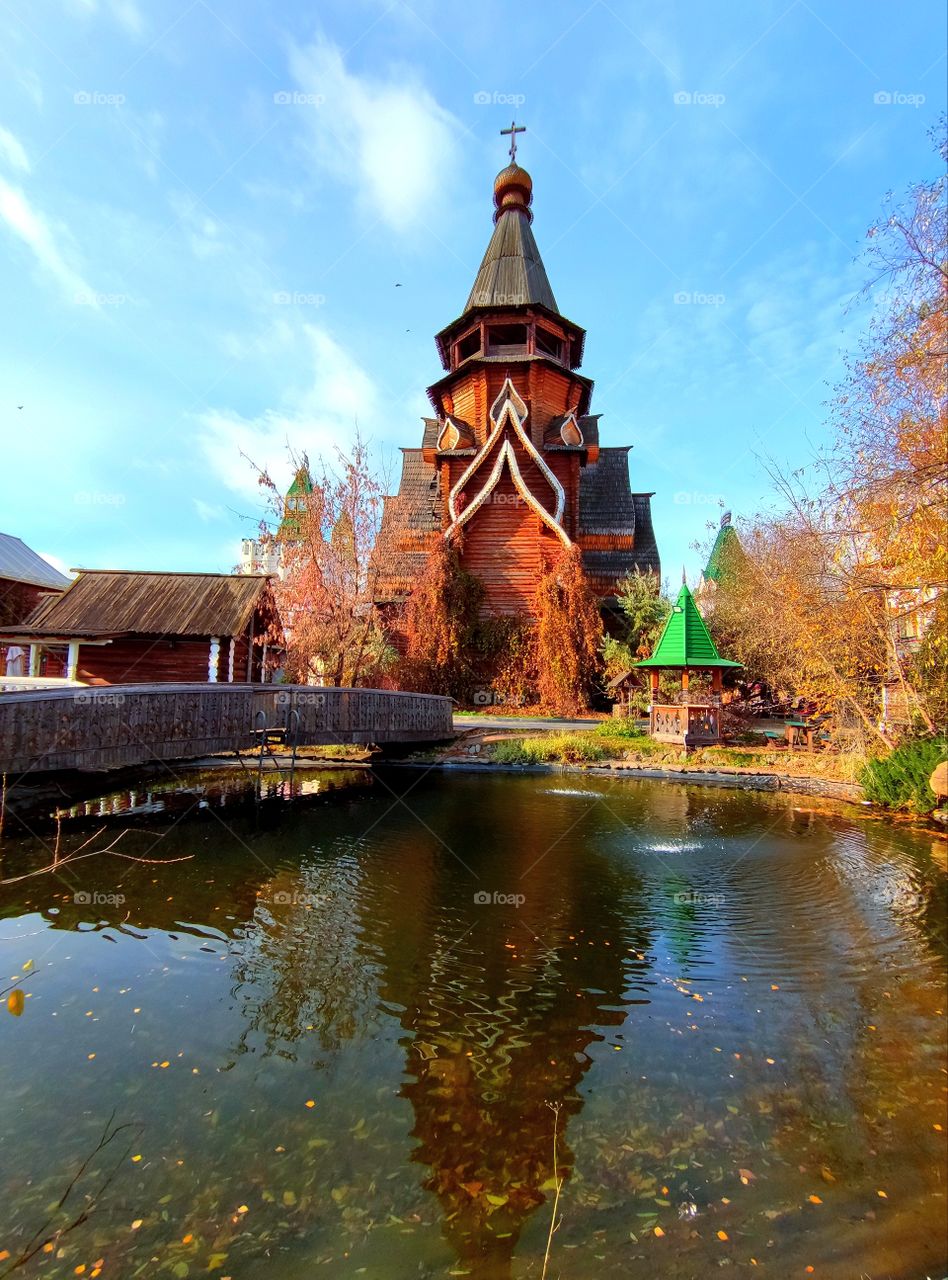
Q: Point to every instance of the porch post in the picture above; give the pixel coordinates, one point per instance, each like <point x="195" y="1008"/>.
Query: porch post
<point x="212" y="658"/>
<point x="230" y="661"/>
<point x="72" y="660"/>
<point x="34" y="659"/>
<point x="715" y="679"/>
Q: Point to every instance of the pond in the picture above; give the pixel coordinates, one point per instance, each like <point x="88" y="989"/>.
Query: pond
<point x="372" y="1032"/>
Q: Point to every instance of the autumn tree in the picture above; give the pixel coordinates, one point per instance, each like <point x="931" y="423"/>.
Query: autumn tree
<point x="568" y="634"/>
<point x="327" y="533"/>
<point x="857" y="548"/>
<point x="438" y="625"/>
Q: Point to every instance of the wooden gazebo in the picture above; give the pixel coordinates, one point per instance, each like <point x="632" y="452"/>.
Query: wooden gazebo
<point x="685" y="645"/>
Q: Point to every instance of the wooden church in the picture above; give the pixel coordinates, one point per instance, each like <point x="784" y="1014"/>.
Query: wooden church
<point x="510" y="462"/>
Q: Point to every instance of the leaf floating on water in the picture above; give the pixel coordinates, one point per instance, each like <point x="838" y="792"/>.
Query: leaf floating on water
<point x="746" y="1176"/>
<point x="28" y="966"/>
<point x="814" y="1200"/>
<point x="289" y="1198"/>
<point x="15" y="1002"/>
<point x="658" y="1231"/>
<point x="722" y="1235"/>
<point x="216" y="1261"/>
<point x="496" y="1200"/>
<point x="826" y="1173"/>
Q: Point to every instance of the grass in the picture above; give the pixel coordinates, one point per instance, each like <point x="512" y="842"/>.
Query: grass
<point x="900" y="779"/>
<point x="623" y="740"/>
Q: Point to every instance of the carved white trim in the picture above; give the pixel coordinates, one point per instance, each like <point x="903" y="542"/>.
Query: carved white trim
<point x="508" y="405"/>
<point x="450" y="437"/>
<point x="572" y="438"/>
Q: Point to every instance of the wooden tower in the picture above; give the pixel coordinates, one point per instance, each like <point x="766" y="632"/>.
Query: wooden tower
<point x="511" y="462"/>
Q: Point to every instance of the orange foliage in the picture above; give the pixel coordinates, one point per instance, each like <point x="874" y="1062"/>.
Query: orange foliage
<point x="568" y="635"/>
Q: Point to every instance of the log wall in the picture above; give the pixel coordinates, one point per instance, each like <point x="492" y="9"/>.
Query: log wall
<point x="99" y="728"/>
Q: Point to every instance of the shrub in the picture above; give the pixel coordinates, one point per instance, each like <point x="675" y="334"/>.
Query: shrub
<point x="900" y="779"/>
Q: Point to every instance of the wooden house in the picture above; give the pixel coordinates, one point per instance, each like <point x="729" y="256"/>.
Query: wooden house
<point x="511" y="464"/>
<point x="114" y="627"/>
<point x="26" y="579"/>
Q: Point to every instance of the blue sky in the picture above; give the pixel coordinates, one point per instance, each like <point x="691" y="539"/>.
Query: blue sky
<point x="205" y="209"/>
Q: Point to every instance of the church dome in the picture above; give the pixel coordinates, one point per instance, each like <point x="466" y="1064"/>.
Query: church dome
<point x="513" y="189"/>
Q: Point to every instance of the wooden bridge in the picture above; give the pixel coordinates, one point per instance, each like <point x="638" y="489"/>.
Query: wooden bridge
<point x="116" y="726"/>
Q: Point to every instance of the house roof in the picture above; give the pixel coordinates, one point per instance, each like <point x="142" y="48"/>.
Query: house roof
<point x="19" y="563"/>
<point x="103" y="602"/>
<point x="685" y="640"/>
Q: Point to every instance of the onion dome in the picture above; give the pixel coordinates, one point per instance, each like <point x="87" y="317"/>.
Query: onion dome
<point x="513" y="190"/>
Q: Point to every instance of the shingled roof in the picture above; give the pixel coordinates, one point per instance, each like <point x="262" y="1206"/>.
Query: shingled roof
<point x="406" y="518"/>
<point x="103" y="602"/>
<point x="512" y="273"/>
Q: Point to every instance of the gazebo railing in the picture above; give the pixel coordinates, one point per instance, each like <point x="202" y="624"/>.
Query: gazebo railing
<point x="689" y="723"/>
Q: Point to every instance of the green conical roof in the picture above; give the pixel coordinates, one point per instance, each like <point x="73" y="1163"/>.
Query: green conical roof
<point x="726" y="554"/>
<point x="685" y="641"/>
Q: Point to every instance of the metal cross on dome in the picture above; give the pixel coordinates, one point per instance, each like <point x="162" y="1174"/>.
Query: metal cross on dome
<point x="513" y="131"/>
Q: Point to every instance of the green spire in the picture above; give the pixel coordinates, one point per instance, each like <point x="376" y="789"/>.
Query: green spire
<point x="726" y="554"/>
<point x="685" y="641"/>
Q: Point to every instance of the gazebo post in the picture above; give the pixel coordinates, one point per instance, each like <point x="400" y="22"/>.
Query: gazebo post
<point x="716" y="680"/>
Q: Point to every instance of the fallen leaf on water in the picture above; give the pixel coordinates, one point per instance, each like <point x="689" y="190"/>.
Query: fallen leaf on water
<point x="659" y="1232"/>
<point x="137" y="1223"/>
<point x="746" y="1175"/>
<point x="814" y="1200"/>
<point x="826" y="1173"/>
<point x="15" y="1002"/>
<point x="722" y="1235"/>
<point x="289" y="1198"/>
<point x="882" y="1195"/>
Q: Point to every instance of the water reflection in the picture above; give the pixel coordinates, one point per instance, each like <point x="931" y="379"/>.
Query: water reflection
<point x="380" y="998"/>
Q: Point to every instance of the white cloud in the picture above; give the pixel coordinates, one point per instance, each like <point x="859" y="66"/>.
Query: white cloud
<point x="203" y="231"/>
<point x="30" y="82"/>
<point x="40" y="238"/>
<point x="11" y="150"/>
<point x="125" y="12"/>
<point x="146" y="129"/>
<point x="324" y="415"/>
<point x="385" y="137"/>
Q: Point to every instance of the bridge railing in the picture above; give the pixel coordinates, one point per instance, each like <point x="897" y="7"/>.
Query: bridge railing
<point x="113" y="726"/>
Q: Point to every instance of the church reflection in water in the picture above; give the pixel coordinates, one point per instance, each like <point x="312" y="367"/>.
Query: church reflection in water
<point x="501" y="1003"/>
